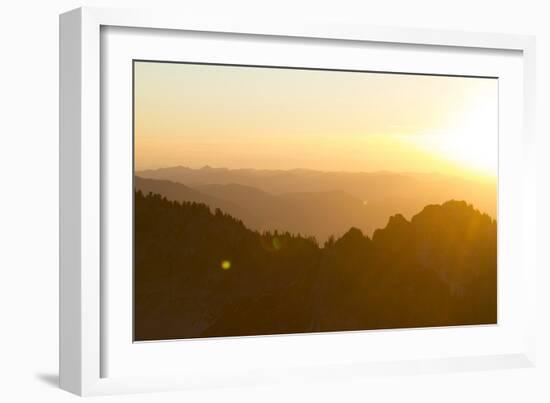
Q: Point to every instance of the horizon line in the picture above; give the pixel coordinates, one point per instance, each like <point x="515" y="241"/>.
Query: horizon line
<point x="468" y="175"/>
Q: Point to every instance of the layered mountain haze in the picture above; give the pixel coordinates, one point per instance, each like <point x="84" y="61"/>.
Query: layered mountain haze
<point x="316" y="203"/>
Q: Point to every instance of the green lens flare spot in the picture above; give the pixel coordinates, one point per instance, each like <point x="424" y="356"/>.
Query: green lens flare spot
<point x="276" y="243"/>
<point x="226" y="264"/>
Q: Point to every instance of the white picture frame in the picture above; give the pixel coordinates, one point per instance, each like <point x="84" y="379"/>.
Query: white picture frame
<point x="83" y="173"/>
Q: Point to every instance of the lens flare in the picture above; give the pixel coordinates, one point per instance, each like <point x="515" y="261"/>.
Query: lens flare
<point x="276" y="242"/>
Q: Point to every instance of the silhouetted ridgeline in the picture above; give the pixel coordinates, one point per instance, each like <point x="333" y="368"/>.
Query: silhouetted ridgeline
<point x="204" y="274"/>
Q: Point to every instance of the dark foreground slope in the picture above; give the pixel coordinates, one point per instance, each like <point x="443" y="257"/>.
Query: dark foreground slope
<point x="438" y="269"/>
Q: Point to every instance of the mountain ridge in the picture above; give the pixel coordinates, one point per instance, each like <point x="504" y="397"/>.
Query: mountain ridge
<point x="278" y="283"/>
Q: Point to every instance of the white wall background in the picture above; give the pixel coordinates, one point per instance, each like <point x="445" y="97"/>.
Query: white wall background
<point x="29" y="197"/>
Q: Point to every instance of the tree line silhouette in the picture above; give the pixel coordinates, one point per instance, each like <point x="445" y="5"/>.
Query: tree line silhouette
<point x="199" y="273"/>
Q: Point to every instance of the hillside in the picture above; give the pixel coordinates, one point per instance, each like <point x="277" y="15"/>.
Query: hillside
<point x="437" y="269"/>
<point x="179" y="192"/>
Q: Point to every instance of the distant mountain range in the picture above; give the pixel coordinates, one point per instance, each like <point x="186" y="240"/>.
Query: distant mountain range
<point x="309" y="202"/>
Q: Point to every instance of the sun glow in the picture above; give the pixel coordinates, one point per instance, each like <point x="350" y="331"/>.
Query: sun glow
<point x="321" y="120"/>
<point x="469" y="140"/>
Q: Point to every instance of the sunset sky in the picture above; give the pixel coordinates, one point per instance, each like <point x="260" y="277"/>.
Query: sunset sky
<point x="269" y="118"/>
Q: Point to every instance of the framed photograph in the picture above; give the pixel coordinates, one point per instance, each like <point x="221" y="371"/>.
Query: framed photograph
<point x="252" y="202"/>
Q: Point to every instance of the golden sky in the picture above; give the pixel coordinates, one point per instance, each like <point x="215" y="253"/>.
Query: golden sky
<point x="269" y="118"/>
